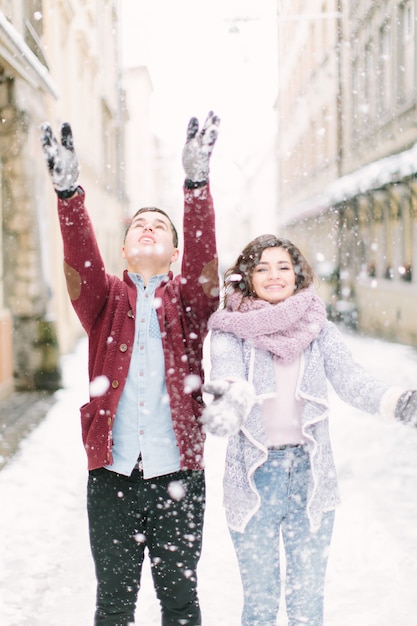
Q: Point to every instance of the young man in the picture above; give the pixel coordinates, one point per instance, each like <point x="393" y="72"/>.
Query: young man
<point x="143" y="435"/>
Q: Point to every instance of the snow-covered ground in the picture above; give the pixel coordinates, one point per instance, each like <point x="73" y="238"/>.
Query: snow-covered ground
<point x="46" y="572"/>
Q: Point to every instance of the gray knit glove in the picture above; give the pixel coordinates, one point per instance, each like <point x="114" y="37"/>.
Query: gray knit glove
<point x="231" y="405"/>
<point x="61" y="159"/>
<point x="198" y="148"/>
<point x="406" y="408"/>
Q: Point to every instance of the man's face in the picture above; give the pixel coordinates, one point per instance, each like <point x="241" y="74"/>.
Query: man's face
<point x="149" y="242"/>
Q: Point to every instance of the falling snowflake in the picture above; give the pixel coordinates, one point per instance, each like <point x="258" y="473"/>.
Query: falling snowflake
<point x="99" y="386"/>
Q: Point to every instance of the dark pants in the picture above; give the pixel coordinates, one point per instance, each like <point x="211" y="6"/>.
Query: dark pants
<point x="165" y="515"/>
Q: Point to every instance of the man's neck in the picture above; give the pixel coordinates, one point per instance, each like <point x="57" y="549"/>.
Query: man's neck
<point x="147" y="273"/>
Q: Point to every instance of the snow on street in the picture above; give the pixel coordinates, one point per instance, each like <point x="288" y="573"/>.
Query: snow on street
<point x="46" y="571"/>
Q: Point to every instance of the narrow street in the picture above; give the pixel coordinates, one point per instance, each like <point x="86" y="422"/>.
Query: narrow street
<point x="46" y="572"/>
<point x="20" y="414"/>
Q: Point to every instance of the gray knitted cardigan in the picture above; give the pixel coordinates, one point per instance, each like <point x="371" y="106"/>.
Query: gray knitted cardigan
<point x="326" y="359"/>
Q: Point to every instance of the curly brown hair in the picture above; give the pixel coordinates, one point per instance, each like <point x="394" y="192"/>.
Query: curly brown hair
<point x="239" y="276"/>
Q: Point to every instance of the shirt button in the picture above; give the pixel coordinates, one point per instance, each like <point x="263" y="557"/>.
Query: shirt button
<point x="140" y="373"/>
<point x="123" y="347"/>
<point x="115" y="384"/>
<point x="142" y="347"/>
<point x="141" y="432"/>
<point x="130" y="313"/>
<point x="143" y="320"/>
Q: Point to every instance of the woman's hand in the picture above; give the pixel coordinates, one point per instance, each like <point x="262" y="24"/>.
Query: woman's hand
<point x="229" y="408"/>
<point x="406" y="409"/>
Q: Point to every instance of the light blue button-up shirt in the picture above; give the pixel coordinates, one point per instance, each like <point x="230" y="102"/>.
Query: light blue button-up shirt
<point x="143" y="422"/>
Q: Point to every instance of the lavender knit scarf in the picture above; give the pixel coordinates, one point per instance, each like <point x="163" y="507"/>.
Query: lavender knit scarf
<point x="285" y="328"/>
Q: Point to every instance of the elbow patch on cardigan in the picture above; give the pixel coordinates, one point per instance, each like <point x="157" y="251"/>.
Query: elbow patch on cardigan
<point x="74" y="282"/>
<point x="209" y="278"/>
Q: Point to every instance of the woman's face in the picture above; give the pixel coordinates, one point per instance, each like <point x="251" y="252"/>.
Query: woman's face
<point x="273" y="279"/>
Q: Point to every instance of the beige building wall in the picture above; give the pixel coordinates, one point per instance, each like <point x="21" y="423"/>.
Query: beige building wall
<point x="81" y="41"/>
<point x="59" y="61"/>
<point x="141" y="144"/>
<point x="354" y="213"/>
<point x="24" y="292"/>
<point x="308" y="122"/>
<point x="308" y="144"/>
<point x="379" y="74"/>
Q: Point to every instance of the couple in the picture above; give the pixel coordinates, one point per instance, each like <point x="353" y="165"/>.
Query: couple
<point x="272" y="351"/>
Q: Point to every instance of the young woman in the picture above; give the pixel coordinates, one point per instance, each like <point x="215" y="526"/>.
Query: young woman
<point x="272" y="352"/>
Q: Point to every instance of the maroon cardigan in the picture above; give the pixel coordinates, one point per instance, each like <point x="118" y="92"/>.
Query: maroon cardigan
<point x="106" y="307"/>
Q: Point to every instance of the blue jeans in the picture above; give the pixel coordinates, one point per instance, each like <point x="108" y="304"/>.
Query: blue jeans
<point x="282" y="482"/>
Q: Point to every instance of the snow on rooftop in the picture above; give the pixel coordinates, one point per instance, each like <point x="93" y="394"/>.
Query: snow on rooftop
<point x="389" y="170"/>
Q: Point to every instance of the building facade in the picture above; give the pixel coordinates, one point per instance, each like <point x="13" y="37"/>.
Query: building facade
<point x="59" y="61"/>
<point x="347" y="155"/>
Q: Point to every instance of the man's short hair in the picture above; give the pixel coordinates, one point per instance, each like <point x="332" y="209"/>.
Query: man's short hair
<point x="154" y="209"/>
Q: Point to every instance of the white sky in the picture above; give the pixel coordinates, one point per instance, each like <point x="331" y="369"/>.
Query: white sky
<point x="197" y="63"/>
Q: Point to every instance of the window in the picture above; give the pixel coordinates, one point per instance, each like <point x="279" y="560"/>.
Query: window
<point x="109" y="149"/>
<point x="33" y="27"/>
<point x="384" y="92"/>
<point x="406" y="59"/>
<point x="355" y="100"/>
<point x="369" y="78"/>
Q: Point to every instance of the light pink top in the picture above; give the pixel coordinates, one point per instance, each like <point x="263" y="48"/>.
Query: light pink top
<point x="282" y="412"/>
